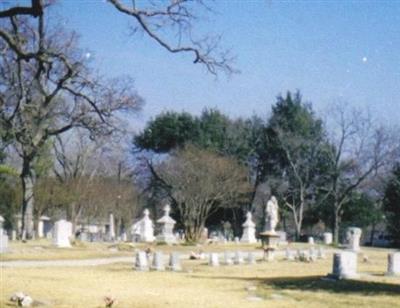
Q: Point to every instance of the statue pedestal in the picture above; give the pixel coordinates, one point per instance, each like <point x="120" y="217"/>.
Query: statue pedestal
<point x="270" y="242"/>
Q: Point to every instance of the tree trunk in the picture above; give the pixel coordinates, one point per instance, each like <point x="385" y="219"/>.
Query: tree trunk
<point x="371" y="239"/>
<point x="27" y="180"/>
<point x="336" y="224"/>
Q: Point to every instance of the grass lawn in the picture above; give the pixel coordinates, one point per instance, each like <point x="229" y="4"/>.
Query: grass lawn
<point x="43" y="250"/>
<point x="279" y="284"/>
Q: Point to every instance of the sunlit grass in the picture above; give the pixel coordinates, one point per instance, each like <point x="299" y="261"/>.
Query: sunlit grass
<point x="278" y="284"/>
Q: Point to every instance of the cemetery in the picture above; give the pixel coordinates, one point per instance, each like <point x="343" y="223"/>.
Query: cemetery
<point x="155" y="270"/>
<point x="167" y="154"/>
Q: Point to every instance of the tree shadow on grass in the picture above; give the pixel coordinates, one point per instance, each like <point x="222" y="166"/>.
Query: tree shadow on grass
<point x="320" y="283"/>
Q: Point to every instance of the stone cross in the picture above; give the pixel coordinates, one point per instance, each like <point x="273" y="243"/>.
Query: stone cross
<point x="249" y="230"/>
<point x="393" y="264"/>
<point x="62" y="233"/>
<point x="344" y="265"/>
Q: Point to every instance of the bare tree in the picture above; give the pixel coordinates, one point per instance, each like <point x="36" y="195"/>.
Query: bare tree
<point x="298" y="183"/>
<point x="161" y="21"/>
<point x="48" y="89"/>
<point x="358" y="151"/>
<point x="96" y="178"/>
<point x="198" y="183"/>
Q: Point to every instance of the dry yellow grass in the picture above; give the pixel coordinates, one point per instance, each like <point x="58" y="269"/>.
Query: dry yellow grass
<point x="280" y="284"/>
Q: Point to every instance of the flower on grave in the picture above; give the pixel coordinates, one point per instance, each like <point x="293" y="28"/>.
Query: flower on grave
<point x="110" y="301"/>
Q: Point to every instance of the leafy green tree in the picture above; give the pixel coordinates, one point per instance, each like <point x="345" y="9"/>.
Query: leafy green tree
<point x="168" y="131"/>
<point x="296" y="156"/>
<point x="391" y="205"/>
<point x="212" y="130"/>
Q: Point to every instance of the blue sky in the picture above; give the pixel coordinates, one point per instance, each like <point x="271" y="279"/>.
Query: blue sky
<point x="330" y="50"/>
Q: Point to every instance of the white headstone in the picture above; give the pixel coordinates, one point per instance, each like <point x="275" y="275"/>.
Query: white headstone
<point x="3" y="242"/>
<point x="345" y="265"/>
<point x="393" y="264"/>
<point x="40" y="230"/>
<point x="238" y="259"/>
<point x="327" y="238"/>
<point x="141" y="262"/>
<point x="13" y="235"/>
<point x="313" y="254"/>
<point x="175" y="262"/>
<point x="62" y="233"/>
<point x="124" y="237"/>
<point x="249" y="230"/>
<point x="289" y="254"/>
<point x="282" y="237"/>
<point x="167" y="227"/>
<point x="144" y="228"/>
<point x="251" y="258"/>
<point x="158" y="261"/>
<point x="353" y="236"/>
<point x="237" y="241"/>
<point x="111" y="228"/>
<point x="304" y="255"/>
<point x="213" y="259"/>
<point x="310" y="240"/>
<point x="227" y="258"/>
<point x="321" y="253"/>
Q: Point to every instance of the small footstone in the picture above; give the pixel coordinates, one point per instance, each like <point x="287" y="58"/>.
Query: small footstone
<point x="227" y="258"/>
<point x="289" y="254"/>
<point x="158" y="261"/>
<point x="175" y="262"/>
<point x="141" y="262"/>
<point x="321" y="253"/>
<point x="254" y="298"/>
<point x="238" y="258"/>
<point x="250" y="258"/>
<point x="213" y="259"/>
<point x="393" y="264"/>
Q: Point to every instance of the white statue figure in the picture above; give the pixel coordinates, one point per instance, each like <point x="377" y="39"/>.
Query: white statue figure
<point x="271" y="215"/>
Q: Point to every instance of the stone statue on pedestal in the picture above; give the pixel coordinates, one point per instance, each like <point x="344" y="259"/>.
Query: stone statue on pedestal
<point x="271" y="215"/>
